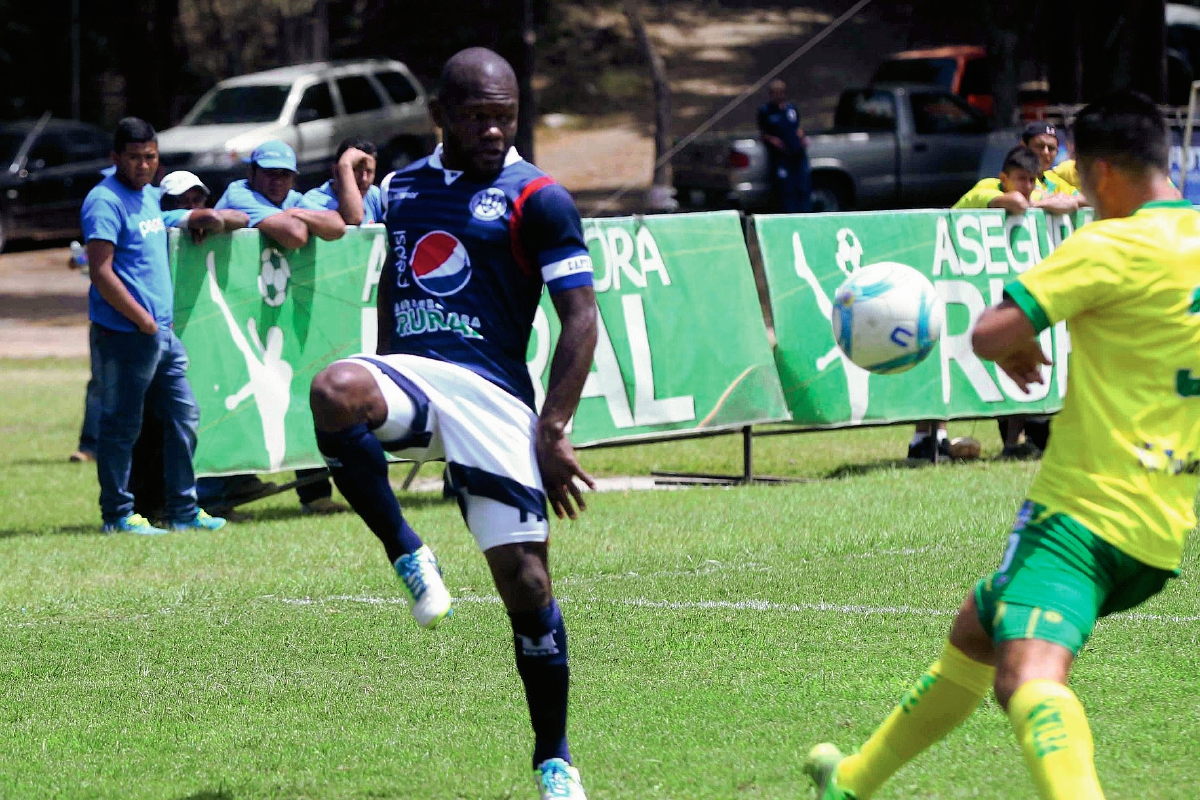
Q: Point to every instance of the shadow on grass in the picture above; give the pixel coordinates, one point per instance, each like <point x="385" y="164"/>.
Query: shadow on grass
<point x="855" y="470"/>
<point x="248" y="513"/>
<point x="62" y="530"/>
<point x="45" y="461"/>
<point x="219" y="794"/>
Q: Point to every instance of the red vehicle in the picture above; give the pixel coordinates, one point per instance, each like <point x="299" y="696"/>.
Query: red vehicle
<point x="961" y="69"/>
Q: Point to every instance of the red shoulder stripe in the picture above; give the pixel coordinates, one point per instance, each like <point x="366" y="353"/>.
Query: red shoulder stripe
<point x="514" y="223"/>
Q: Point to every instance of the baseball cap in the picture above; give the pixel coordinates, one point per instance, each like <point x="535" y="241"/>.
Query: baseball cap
<point x="274" y="154"/>
<point x="178" y="182"/>
<point x="1038" y="129"/>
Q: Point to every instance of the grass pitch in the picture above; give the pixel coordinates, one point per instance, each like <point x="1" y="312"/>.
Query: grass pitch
<point x="715" y="635"/>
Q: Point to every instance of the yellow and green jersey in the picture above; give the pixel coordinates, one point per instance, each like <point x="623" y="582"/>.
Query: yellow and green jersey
<point x="1053" y="182"/>
<point x="988" y="190"/>
<point x="1124" y="459"/>
<point x="1065" y="174"/>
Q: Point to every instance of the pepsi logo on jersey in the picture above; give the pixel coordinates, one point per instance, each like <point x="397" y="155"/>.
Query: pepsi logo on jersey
<point x="440" y="264"/>
<point x="489" y="204"/>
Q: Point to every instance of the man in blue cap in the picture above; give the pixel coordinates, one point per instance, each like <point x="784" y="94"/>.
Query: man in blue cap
<point x="269" y="198"/>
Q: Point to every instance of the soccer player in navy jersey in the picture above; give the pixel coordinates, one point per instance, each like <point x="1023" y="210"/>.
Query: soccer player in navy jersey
<point x="475" y="233"/>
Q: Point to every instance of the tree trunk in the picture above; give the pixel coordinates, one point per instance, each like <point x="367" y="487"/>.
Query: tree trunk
<point x="662" y="92"/>
<point x="1005" y="26"/>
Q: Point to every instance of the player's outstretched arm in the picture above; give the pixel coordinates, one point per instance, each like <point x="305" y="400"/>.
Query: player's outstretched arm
<point x="1005" y="335"/>
<point x="568" y="372"/>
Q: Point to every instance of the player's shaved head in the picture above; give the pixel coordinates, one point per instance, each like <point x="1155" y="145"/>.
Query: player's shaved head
<point x="477" y="112"/>
<point x="476" y="72"/>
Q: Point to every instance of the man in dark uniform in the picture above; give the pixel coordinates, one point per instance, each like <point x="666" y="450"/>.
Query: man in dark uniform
<point x="475" y="233"/>
<point x="787" y="158"/>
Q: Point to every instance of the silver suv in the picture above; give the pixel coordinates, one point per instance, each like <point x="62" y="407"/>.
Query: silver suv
<point x="312" y="107"/>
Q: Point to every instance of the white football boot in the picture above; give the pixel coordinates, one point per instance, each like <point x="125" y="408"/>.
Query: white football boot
<point x="558" y="780"/>
<point x="428" y="599"/>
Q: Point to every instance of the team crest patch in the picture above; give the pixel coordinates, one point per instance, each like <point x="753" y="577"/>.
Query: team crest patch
<point x="440" y="264"/>
<point x="488" y="205"/>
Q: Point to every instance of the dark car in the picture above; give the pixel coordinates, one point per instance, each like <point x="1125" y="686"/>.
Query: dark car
<point x="47" y="167"/>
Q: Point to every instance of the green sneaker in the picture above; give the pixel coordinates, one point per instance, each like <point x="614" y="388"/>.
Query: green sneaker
<point x="133" y="523"/>
<point x="203" y="521"/>
<point x="821" y="764"/>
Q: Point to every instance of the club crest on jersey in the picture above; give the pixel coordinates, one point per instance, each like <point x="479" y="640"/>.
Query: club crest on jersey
<point x="488" y="205"/>
<point x="440" y="264"/>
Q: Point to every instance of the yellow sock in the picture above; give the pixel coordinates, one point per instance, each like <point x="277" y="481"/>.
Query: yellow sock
<point x="937" y="704"/>
<point x="1057" y="742"/>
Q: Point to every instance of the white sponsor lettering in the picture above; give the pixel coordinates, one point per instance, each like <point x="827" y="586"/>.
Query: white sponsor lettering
<point x="149" y="226"/>
<point x="623" y="255"/>
<point x="957" y="347"/>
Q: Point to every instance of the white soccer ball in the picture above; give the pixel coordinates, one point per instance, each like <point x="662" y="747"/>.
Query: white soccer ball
<point x="887" y="317"/>
<point x="273" y="277"/>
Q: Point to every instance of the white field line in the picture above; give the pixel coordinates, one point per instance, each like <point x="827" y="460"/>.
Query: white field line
<point x="722" y="605"/>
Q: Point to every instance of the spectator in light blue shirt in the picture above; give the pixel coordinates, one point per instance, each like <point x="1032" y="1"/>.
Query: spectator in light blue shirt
<point x="351" y="191"/>
<point x="138" y="356"/>
<point x="274" y="207"/>
<point x="272" y="203"/>
<point x="184" y="205"/>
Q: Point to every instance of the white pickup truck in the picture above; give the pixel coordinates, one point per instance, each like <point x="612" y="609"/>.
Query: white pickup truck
<point x="892" y="146"/>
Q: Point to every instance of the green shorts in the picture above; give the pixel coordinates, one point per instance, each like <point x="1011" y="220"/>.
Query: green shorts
<point x="1057" y="578"/>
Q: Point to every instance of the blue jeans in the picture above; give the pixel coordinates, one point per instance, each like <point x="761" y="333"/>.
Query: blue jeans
<point x="135" y="368"/>
<point x="90" y="431"/>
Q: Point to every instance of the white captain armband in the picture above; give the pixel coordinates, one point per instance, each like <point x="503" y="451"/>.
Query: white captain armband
<point x="569" y="272"/>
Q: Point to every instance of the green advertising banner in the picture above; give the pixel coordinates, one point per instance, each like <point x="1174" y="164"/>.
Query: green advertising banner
<point x="683" y="346"/>
<point x="259" y="322"/>
<point x="968" y="255"/>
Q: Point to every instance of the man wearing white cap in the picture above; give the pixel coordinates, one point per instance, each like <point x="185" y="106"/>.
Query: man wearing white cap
<point x="268" y="196"/>
<point x="184" y="201"/>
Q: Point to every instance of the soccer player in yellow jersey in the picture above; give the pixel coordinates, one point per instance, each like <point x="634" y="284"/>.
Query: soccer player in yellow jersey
<point x="1107" y="515"/>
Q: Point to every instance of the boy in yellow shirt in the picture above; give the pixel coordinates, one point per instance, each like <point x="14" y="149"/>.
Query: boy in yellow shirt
<point x="1106" y="518"/>
<point x="1015" y="191"/>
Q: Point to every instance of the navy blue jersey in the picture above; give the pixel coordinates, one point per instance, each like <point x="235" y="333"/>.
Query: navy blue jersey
<point x="783" y="122"/>
<point x="468" y="262"/>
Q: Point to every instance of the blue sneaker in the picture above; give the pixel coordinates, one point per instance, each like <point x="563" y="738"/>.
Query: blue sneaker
<point x="428" y="599"/>
<point x="558" y="780"/>
<point x="133" y="523"/>
<point x="203" y="521"/>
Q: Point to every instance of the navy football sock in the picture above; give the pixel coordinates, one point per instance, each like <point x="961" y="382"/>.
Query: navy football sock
<point x="541" y="645"/>
<point x="359" y="468"/>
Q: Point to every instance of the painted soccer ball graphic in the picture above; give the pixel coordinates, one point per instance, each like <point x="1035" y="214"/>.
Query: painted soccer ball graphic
<point x="887" y="317"/>
<point x="273" y="277"/>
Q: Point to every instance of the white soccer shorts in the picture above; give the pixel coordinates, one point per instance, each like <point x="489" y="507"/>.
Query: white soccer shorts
<point x="438" y="410"/>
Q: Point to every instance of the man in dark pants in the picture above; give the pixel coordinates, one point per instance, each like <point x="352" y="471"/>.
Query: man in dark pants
<point x="787" y="157"/>
<point x="476" y="234"/>
<point x="137" y="353"/>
